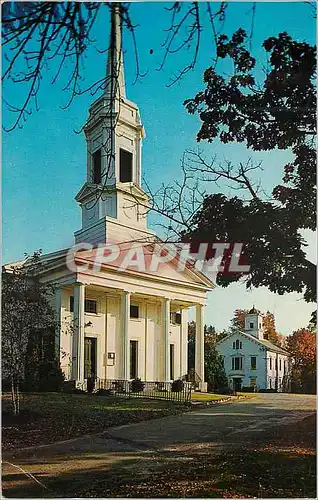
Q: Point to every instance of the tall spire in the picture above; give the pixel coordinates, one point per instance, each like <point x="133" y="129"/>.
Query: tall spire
<point x="115" y="78"/>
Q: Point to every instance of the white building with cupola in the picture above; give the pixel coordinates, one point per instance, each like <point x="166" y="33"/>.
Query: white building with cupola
<point x="251" y="360"/>
<point x="121" y="324"/>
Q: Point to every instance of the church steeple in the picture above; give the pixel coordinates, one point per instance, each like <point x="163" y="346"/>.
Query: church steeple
<point x="114" y="135"/>
<point x="254" y="323"/>
<point x="115" y="77"/>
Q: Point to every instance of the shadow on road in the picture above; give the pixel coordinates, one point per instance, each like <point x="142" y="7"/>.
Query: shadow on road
<point x="242" y="450"/>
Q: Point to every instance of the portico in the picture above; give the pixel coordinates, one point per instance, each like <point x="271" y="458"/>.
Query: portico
<point x="133" y="333"/>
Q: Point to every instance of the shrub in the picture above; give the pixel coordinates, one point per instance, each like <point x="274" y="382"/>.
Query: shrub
<point x="119" y="386"/>
<point x="47" y="376"/>
<point x="76" y="390"/>
<point x="51" y="377"/>
<point x="177" y="386"/>
<point x="90" y="384"/>
<point x="137" y="385"/>
<point x="247" y="388"/>
<point x="105" y="392"/>
<point x="226" y="390"/>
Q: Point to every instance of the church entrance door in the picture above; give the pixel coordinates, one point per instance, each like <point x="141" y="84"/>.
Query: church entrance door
<point x="237" y="384"/>
<point x="90" y="357"/>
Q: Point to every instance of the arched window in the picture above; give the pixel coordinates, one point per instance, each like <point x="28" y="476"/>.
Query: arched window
<point x="237" y="344"/>
<point x="234" y="344"/>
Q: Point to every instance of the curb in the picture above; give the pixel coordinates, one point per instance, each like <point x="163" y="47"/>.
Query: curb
<point x="210" y="403"/>
<point x="218" y="401"/>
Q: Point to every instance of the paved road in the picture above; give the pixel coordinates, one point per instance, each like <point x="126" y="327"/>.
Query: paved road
<point x="236" y="422"/>
<point x="58" y="466"/>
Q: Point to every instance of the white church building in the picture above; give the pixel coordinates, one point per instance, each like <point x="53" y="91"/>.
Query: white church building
<point x="121" y="324"/>
<point x="250" y="359"/>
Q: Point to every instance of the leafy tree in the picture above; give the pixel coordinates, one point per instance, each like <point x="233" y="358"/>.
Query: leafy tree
<point x="191" y="345"/>
<point x="238" y="321"/>
<point x="26" y="317"/>
<point x="270" y="328"/>
<point x="214" y="370"/>
<point x="302" y="346"/>
<point x="279" y="112"/>
<point x="42" y="370"/>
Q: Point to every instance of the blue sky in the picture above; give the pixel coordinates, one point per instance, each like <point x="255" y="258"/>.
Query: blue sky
<point x="44" y="162"/>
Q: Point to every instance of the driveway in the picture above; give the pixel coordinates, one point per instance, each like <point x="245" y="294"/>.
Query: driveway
<point x="60" y="466"/>
<point x="234" y="422"/>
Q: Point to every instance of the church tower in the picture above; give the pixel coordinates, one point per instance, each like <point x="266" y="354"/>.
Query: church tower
<point x="254" y="324"/>
<point x="112" y="201"/>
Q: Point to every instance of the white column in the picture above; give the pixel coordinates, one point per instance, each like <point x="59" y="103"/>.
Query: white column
<point x="199" y="345"/>
<point x="166" y="330"/>
<point x="106" y="338"/>
<point x="125" y="311"/>
<point x="58" y="322"/>
<point x="78" y="335"/>
<point x="184" y="343"/>
<point x="146" y="349"/>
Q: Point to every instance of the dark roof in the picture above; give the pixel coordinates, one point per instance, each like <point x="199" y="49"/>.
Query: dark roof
<point x="254" y="311"/>
<point x="273" y="347"/>
<point x="267" y="344"/>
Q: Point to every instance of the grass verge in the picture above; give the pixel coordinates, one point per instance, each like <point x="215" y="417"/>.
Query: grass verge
<point x="48" y="417"/>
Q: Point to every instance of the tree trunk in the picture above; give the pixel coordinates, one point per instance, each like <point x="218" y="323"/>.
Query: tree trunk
<point x="15" y="396"/>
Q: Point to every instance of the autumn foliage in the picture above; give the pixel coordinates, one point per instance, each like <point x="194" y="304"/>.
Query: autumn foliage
<point x="302" y="346"/>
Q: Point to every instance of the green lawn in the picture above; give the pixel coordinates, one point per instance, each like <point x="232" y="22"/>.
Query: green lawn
<point x="206" y="397"/>
<point x="49" y="417"/>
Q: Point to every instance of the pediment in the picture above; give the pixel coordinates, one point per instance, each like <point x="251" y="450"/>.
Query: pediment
<point x="132" y="190"/>
<point x="88" y="188"/>
<point x="126" y="263"/>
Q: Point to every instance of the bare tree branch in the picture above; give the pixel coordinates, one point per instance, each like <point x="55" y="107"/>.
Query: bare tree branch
<point x="213" y="171"/>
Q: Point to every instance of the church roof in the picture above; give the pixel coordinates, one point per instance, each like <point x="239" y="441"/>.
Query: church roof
<point x="269" y="345"/>
<point x="168" y="271"/>
<point x="266" y="343"/>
